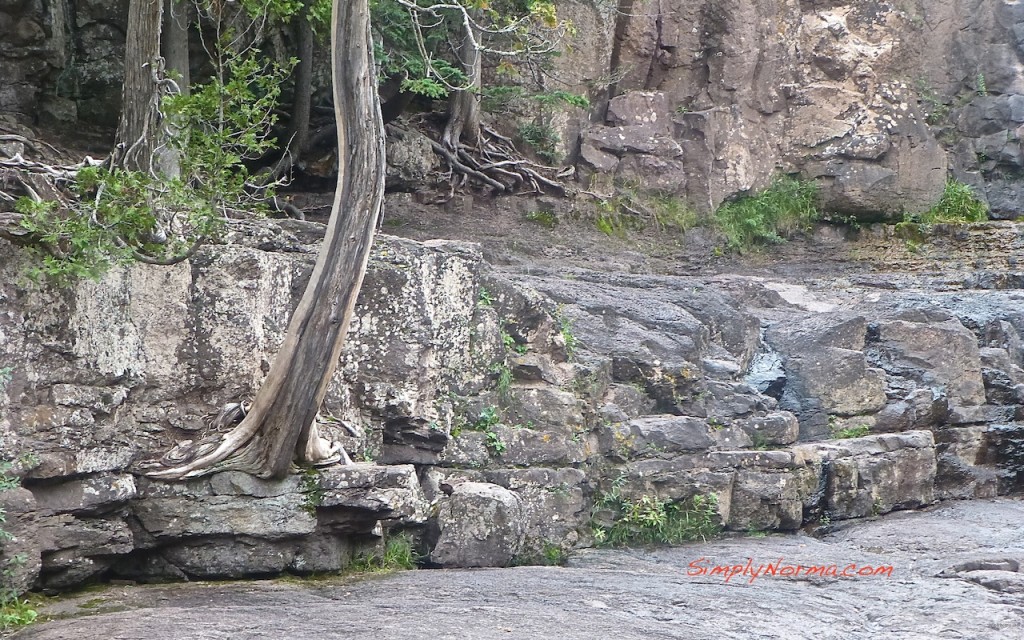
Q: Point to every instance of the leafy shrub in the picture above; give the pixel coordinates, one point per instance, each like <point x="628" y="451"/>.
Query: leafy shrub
<point x="787" y="206"/>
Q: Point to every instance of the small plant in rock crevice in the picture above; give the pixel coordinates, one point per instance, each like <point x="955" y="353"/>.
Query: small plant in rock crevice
<point x="485" y="298"/>
<point x="845" y="433"/>
<point x="312" y="490"/>
<point x="486" y="421"/>
<point x="565" y="329"/>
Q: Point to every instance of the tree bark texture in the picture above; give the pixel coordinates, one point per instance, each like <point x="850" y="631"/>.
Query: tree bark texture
<point x="174" y="42"/>
<point x="464" y="104"/>
<point x="280" y="426"/>
<point x="138" y="132"/>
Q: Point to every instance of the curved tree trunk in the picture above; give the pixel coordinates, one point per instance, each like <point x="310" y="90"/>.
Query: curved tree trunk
<point x="280" y="425"/>
<point x="464" y="105"/>
<point x="138" y="136"/>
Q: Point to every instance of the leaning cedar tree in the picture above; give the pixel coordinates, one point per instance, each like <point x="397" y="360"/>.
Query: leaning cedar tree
<point x="280" y="427"/>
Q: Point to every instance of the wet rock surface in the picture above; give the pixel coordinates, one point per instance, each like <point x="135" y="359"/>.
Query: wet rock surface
<point x="956" y="573"/>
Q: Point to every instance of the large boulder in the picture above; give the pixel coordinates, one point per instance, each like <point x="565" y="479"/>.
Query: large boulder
<point x="480" y="525"/>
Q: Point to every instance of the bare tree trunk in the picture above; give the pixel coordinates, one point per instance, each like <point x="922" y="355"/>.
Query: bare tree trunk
<point x="280" y="425"/>
<point x="138" y="136"/>
<point x="174" y="43"/>
<point x="464" y="105"/>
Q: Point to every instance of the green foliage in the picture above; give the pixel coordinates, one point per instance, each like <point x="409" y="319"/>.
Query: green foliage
<point x="569" y="338"/>
<point x="226" y="122"/>
<point x="504" y="373"/>
<point x="536" y="109"/>
<point x="517" y="99"/>
<point x="6" y="373"/>
<point x="510" y="344"/>
<point x="399" y="56"/>
<point x="621" y="522"/>
<point x="551" y="554"/>
<point x="958" y="205"/>
<point x="671" y="214"/>
<point x="980" y="86"/>
<point x="14" y="611"/>
<point x="119" y="215"/>
<point x="489" y="417"/>
<point x="484" y="298"/>
<point x="494" y="443"/>
<point x="784" y="208"/>
<point x="399" y="554"/>
<point x="543" y="139"/>
<point x="846" y="433"/>
<point x="629" y="206"/>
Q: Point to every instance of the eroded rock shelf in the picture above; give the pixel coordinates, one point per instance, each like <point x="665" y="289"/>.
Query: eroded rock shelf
<point x="487" y="408"/>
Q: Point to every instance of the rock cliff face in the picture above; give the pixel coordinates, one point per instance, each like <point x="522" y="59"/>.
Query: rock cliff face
<point x="486" y="409"/>
<point x="878" y="101"/>
<point x="874" y="100"/>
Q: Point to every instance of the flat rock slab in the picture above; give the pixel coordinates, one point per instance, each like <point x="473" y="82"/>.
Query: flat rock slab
<point x="933" y="592"/>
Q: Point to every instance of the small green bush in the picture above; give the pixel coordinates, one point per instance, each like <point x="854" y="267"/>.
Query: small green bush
<point x="789" y="205"/>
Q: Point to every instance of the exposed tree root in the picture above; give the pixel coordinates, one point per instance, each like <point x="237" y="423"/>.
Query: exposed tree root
<point x="495" y="164"/>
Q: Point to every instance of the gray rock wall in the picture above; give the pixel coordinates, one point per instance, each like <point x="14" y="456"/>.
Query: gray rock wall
<point x="541" y="391"/>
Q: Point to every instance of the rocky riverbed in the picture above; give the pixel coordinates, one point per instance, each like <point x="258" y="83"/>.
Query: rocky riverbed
<point x="956" y="573"/>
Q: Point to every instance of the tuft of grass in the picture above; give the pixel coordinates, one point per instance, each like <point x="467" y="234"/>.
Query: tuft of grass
<point x="958" y="205"/>
<point x="398" y="555"/>
<point x="628" y="206"/>
<point x="786" y="207"/>
<point x="620" y="522"/>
